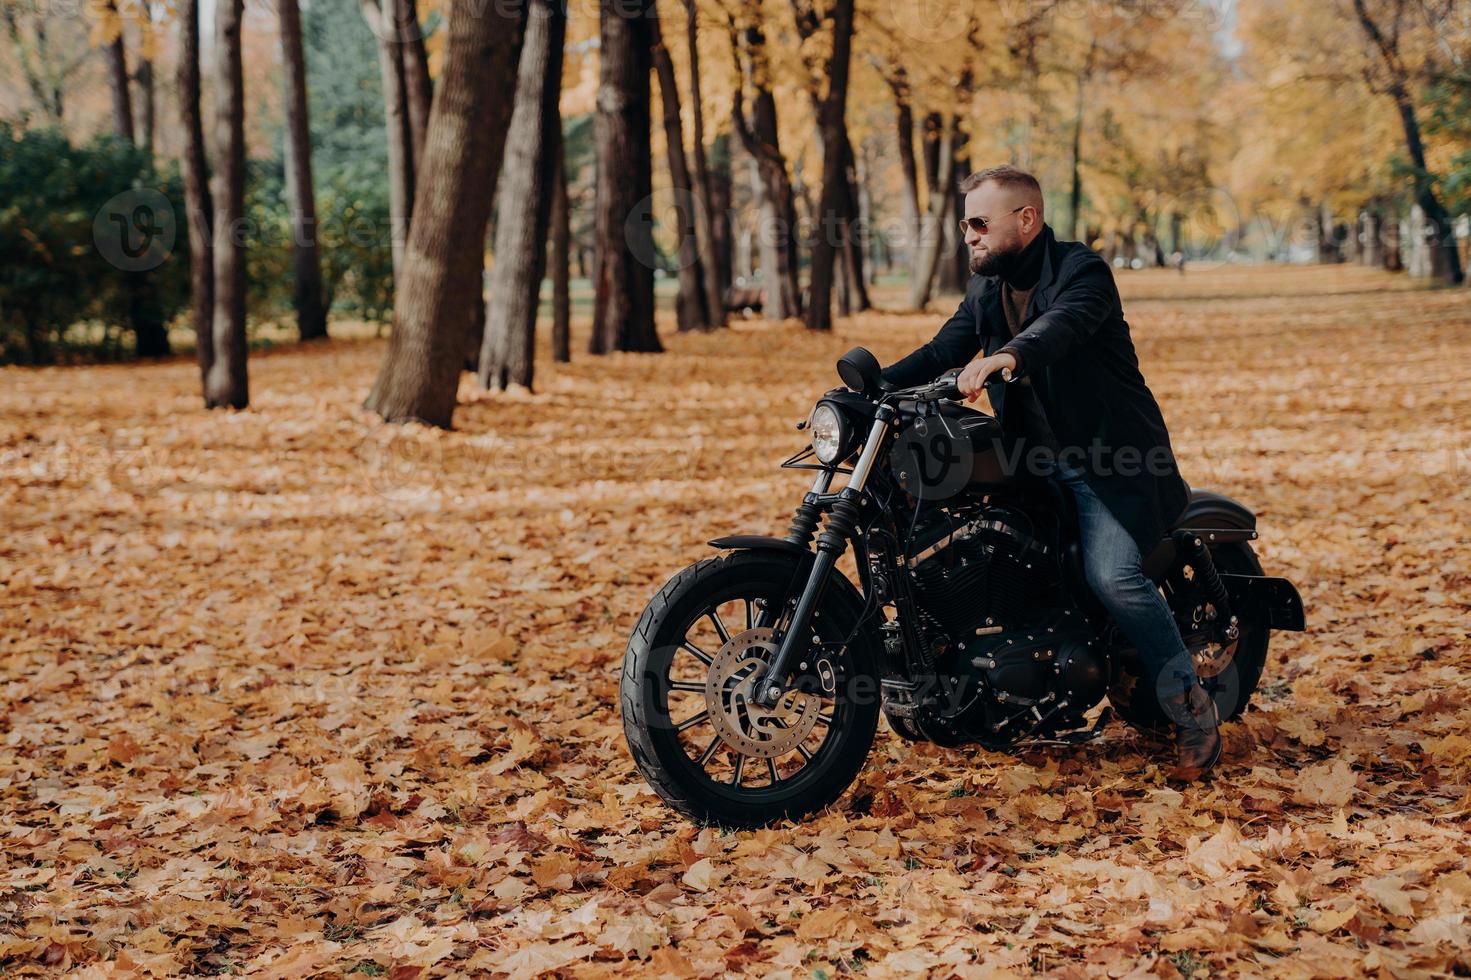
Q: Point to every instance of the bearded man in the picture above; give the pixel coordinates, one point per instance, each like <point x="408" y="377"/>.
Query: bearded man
<point x="1042" y="331"/>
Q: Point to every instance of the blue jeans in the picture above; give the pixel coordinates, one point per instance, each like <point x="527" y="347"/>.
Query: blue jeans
<point x="1111" y="564"/>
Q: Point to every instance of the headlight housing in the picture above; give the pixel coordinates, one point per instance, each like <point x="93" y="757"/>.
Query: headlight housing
<point x="832" y="436"/>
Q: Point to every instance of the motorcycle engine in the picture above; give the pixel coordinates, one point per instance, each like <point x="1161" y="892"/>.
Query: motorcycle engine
<point x="987" y="569"/>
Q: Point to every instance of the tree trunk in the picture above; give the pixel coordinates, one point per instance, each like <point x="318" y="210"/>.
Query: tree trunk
<point x="777" y="229"/>
<point x="441" y="289"/>
<point x="926" y="257"/>
<point x="855" y="232"/>
<point x="45" y="90"/>
<point x="1372" y="251"/>
<point x="1391" y="252"/>
<point x="1327" y="247"/>
<point x="835" y="187"/>
<point x="117" y="75"/>
<point x="623" y="307"/>
<point x="507" y="354"/>
<point x="904" y="140"/>
<point x="768" y="249"/>
<point x="955" y="262"/>
<point x="1444" y="259"/>
<point x="198" y="209"/>
<point x="1075" y="191"/>
<point x="306" y="263"/>
<point x="703" y="195"/>
<point x="146" y="87"/>
<point x="397" y="130"/>
<point x="418" y="89"/>
<point x="561" y="249"/>
<point x="227" y="384"/>
<point x="722" y="247"/>
<point x="691" y="307"/>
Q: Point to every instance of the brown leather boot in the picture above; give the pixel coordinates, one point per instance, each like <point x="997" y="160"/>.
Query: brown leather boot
<point x="1197" y="734"/>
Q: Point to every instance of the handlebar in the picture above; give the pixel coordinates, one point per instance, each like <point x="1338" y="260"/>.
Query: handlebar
<point x="944" y="388"/>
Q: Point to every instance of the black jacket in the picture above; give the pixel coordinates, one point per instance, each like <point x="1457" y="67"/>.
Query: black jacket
<point x="1075" y="347"/>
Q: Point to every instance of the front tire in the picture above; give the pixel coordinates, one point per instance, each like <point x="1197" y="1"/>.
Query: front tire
<point x="689" y="726"/>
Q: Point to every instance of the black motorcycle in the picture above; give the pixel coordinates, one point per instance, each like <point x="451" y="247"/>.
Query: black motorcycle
<point x="753" y="682"/>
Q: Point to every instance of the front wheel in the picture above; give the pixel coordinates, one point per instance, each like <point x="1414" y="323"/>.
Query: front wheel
<point x="692" y="725"/>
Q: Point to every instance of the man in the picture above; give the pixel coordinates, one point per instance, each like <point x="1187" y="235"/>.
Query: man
<point x="1046" y="316"/>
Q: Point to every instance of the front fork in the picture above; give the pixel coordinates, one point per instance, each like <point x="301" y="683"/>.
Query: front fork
<point x="842" y="523"/>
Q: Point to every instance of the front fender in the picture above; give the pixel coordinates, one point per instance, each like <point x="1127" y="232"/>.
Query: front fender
<point x="839" y="586"/>
<point x="757" y="542"/>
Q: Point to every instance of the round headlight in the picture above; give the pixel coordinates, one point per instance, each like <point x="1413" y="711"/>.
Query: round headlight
<point x="829" y="433"/>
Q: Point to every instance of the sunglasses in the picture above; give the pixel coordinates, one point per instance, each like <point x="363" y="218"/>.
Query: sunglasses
<point x="978" y="225"/>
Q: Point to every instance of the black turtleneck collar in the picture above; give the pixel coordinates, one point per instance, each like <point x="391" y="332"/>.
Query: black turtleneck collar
<point x="1027" y="268"/>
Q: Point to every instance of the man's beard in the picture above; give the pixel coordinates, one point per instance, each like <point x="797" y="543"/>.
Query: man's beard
<point x="995" y="263"/>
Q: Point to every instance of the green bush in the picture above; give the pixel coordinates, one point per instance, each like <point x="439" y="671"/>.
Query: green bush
<point x="87" y="267"/>
<point x="352" y="233"/>
<point x="94" y="249"/>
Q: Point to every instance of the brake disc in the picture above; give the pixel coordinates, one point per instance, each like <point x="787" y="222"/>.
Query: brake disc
<point x="1212" y="658"/>
<point x="729" y="697"/>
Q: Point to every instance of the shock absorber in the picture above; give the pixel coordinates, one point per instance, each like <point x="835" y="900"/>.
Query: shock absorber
<point x="1189" y="546"/>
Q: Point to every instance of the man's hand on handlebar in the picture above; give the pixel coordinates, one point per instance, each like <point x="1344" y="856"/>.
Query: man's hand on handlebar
<point x="972" y="380"/>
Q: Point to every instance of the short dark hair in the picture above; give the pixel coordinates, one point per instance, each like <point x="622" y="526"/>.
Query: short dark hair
<point x="1006" y="176"/>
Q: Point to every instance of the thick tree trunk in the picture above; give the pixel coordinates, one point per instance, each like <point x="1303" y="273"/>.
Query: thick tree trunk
<point x="441" y="286"/>
<point x="703" y="193"/>
<point x="306" y="263"/>
<point x="396" y="128"/>
<point x="507" y="354"/>
<point x="198" y="209"/>
<point x="835" y="186"/>
<point x="623" y="307"/>
<point x="691" y="310"/>
<point x="227" y="384"/>
<point x="926" y="257"/>
<point x="117" y="76"/>
<point x="561" y="255"/>
<point x="418" y="89"/>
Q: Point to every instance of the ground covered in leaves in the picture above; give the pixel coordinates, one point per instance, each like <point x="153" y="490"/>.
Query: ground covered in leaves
<point x="289" y="692"/>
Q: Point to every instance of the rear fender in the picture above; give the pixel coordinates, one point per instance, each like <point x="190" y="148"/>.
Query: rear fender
<point x="1275" y="599"/>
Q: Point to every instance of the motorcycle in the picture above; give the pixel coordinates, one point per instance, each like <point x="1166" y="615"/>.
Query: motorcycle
<point x="753" y="682"/>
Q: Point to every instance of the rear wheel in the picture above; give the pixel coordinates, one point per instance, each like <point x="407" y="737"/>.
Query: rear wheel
<point x="691" y="724"/>
<point x="1231" y="682"/>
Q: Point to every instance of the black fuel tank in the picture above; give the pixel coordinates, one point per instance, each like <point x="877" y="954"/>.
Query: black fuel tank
<point x="954" y="449"/>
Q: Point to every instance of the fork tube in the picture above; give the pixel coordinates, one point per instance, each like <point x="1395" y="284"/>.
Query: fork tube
<point x="841" y="525"/>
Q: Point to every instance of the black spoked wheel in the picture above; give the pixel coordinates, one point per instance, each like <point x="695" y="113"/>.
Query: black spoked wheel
<point x="1231" y="677"/>
<point x="688" y="713"/>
